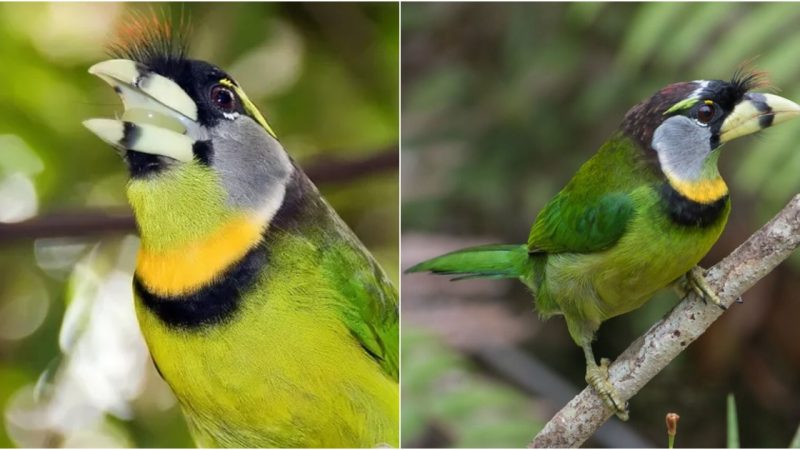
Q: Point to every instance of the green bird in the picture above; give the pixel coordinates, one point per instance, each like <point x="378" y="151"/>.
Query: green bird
<point x="635" y="218"/>
<point x="270" y="321"/>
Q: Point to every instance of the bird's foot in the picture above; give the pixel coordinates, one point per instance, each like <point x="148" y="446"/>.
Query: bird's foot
<point x="597" y="377"/>
<point x="694" y="281"/>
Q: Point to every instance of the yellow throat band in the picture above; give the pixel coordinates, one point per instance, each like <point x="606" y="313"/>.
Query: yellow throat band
<point x="185" y="269"/>
<point x="701" y="191"/>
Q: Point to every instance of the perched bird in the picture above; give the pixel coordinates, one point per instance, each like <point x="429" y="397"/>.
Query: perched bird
<point x="270" y="321"/>
<point x="637" y="217"/>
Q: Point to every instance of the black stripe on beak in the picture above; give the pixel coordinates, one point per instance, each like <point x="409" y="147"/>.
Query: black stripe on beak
<point x="760" y="103"/>
<point x="130" y="134"/>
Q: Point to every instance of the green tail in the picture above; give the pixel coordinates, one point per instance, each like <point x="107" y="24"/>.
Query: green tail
<point x="486" y="261"/>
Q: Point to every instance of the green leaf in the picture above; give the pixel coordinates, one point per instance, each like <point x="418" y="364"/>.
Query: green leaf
<point x="652" y="22"/>
<point x="584" y="14"/>
<point x="781" y="63"/>
<point x="733" y="426"/>
<point x="699" y="26"/>
<point x="746" y="38"/>
<point x="796" y="439"/>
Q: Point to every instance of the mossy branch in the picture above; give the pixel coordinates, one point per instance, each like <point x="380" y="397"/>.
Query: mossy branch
<point x="650" y="353"/>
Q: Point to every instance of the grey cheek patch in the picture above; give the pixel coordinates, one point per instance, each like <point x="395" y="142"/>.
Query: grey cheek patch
<point x="682" y="146"/>
<point x="252" y="164"/>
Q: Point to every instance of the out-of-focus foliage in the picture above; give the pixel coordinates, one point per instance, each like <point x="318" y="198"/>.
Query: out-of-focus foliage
<point x="441" y="389"/>
<point x="733" y="423"/>
<point x="507" y="88"/>
<point x="796" y="439"/>
<point x="73" y="368"/>
<point x="503" y="102"/>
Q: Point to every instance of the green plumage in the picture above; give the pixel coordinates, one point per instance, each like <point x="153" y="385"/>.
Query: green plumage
<point x="635" y="218"/>
<point x="601" y="247"/>
<point x="310" y="356"/>
<point x="272" y="324"/>
<point x="608" y="241"/>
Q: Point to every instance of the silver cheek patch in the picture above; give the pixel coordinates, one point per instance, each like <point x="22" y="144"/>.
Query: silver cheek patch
<point x="253" y="166"/>
<point x="682" y="146"/>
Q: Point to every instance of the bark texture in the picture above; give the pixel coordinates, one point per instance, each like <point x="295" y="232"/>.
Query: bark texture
<point x="650" y="353"/>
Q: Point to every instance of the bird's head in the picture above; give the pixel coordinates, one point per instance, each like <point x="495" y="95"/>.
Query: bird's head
<point x="197" y="149"/>
<point x="685" y="124"/>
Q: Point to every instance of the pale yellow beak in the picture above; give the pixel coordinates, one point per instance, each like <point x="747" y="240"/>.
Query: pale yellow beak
<point x="159" y="118"/>
<point x="756" y="112"/>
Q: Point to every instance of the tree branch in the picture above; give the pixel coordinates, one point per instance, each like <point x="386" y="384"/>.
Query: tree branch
<point x="80" y="223"/>
<point x="90" y="222"/>
<point x="335" y="169"/>
<point x="649" y="354"/>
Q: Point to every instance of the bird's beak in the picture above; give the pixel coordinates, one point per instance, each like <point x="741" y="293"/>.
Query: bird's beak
<point x="160" y="118"/>
<point x="754" y="113"/>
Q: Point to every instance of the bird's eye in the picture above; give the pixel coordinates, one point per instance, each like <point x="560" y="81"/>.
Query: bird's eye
<point x="223" y="98"/>
<point x="705" y="113"/>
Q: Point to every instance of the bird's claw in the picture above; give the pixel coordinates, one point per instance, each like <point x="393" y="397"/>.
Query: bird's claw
<point x="696" y="282"/>
<point x="597" y="377"/>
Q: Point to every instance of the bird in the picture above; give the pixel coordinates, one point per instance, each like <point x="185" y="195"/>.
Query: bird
<point x="637" y="217"/>
<point x="270" y="321"/>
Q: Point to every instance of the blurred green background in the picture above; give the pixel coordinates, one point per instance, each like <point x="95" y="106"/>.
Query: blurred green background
<point x="501" y="103"/>
<point x="73" y="368"/>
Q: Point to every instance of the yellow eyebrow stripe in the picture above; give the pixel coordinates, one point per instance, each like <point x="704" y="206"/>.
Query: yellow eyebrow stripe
<point x="249" y="106"/>
<point x="681" y="105"/>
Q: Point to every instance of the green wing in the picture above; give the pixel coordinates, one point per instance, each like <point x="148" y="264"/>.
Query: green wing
<point x="581" y="224"/>
<point x="370" y="304"/>
<point x="372" y="318"/>
<point x="592" y="212"/>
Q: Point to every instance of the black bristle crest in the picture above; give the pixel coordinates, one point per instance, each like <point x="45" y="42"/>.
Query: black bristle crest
<point x="746" y="79"/>
<point x="151" y="38"/>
